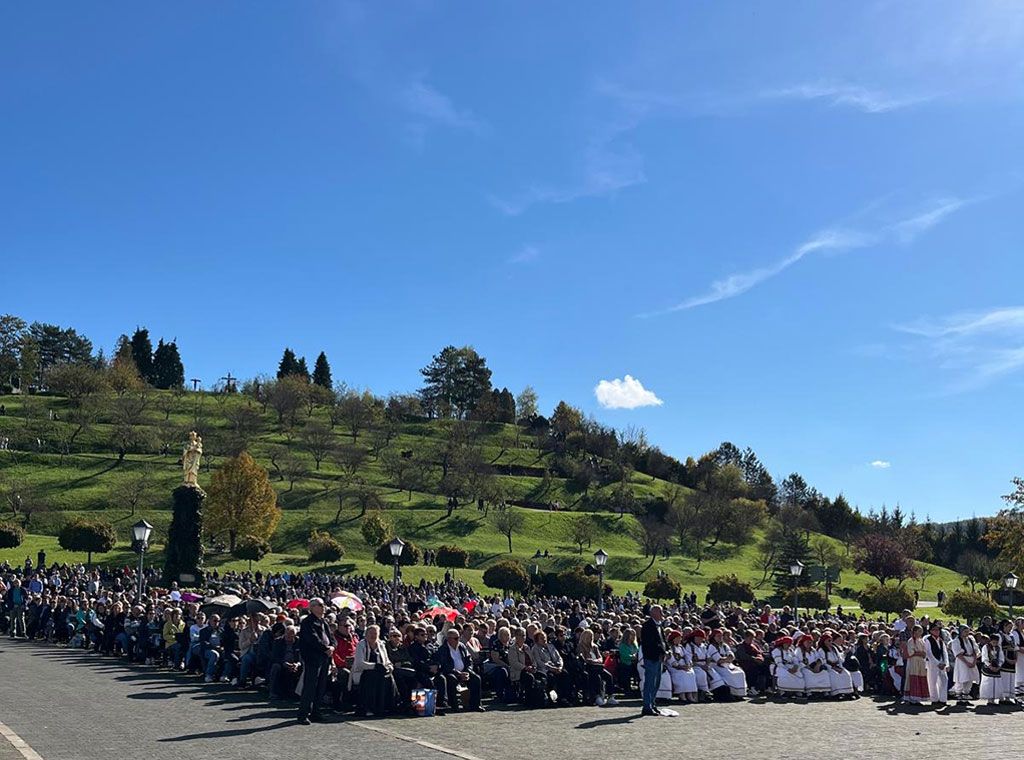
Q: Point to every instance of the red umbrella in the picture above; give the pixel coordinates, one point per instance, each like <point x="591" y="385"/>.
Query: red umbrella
<point x="469" y="606"/>
<point x="298" y="604"/>
<point x="447" y="612"/>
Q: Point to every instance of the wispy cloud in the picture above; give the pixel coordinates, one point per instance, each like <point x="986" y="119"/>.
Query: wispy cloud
<point x="846" y="95"/>
<point x="608" y="166"/>
<point x="835" y="240"/>
<point x="429" y="105"/>
<point x="525" y="255"/>
<point x="972" y="349"/>
<point x="881" y="464"/>
<point x="625" y="393"/>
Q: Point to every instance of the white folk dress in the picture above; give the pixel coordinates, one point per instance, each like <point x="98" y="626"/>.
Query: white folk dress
<point x="965" y="665"/>
<point x="707" y="678"/>
<point x="839" y="679"/>
<point x="991" y="678"/>
<point x="785" y="660"/>
<point x="731" y="673"/>
<point x="680" y="670"/>
<point x="815" y="682"/>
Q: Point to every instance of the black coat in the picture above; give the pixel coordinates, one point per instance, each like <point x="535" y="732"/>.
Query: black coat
<point x="652" y="640"/>
<point x="445" y="663"/>
<point x="314" y="639"/>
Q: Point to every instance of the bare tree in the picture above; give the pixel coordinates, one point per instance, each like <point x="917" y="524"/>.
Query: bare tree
<point x="132" y="491"/>
<point x="318" y="440"/>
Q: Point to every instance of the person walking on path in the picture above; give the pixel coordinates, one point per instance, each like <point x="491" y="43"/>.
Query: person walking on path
<point x="652" y="647"/>
<point x="316" y="651"/>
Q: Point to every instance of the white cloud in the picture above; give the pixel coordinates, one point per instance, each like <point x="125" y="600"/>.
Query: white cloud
<point x="972" y="348"/>
<point x="525" y="255"/>
<point x="836" y="240"/>
<point x="881" y="464"/>
<point x="627" y="393"/>
<point x="432" y="106"/>
<point x="848" y="95"/>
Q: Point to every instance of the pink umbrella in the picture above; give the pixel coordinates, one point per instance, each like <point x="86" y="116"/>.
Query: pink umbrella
<point x="345" y="600"/>
<point x="298" y="604"/>
<point x="188" y="596"/>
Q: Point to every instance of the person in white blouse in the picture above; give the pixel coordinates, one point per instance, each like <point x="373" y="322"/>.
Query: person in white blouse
<point x="936" y="660"/>
<point x="991" y="670"/>
<point x="965" y="664"/>
<point x="787" y="667"/>
<point x="680" y="668"/>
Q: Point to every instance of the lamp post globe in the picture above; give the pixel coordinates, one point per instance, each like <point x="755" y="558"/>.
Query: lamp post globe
<point x="600" y="559"/>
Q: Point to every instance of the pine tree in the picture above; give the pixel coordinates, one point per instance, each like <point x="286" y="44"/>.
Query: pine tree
<point x="794" y="548"/>
<point x="322" y="372"/>
<point x="168" y="371"/>
<point x="288" y="365"/>
<point x="142" y="353"/>
<point x="301" y="369"/>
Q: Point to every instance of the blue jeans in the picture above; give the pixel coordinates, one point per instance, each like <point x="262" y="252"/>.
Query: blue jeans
<point x="247" y="665"/>
<point x="652" y="680"/>
<point x="212" y="658"/>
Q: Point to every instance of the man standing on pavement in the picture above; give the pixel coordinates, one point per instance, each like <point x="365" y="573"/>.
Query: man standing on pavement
<point x="315" y="646"/>
<point x="652" y="647"/>
<point x="16" y="601"/>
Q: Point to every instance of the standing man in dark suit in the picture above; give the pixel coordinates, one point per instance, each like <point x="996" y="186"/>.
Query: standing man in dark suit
<point x="315" y="646"/>
<point x="652" y="647"/>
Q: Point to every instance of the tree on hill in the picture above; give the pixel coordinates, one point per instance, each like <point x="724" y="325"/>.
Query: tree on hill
<point x="978" y="569"/>
<point x="507" y="575"/>
<point x="286" y="396"/>
<point x="301" y="370"/>
<point x="405" y="473"/>
<point x="376" y="529"/>
<point x="132" y="491"/>
<point x="76" y="381"/>
<point x="887" y="599"/>
<point x="241" y="501"/>
<point x="251" y="548"/>
<point x="883" y="558"/>
<point x="580" y="530"/>
<point x="410" y="554"/>
<point x="323" y="548"/>
<point x="59" y="345"/>
<point x="123" y="376"/>
<point x="13" y="330"/>
<point x="970" y="605"/>
<point x="526" y="404"/>
<point x="1005" y="532"/>
<point x="452" y="556"/>
<point x="454" y="382"/>
<point x="142" y="353"/>
<point x="11" y="535"/>
<point x="663" y="587"/>
<point x="793" y="547"/>
<point x="507" y="522"/>
<point x="288" y="365"/>
<point x="318" y="440"/>
<point x="322" y="372"/>
<point x="168" y="371"/>
<point x="89" y="536"/>
<point x="356" y="410"/>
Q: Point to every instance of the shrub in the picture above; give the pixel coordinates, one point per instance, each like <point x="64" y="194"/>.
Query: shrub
<point x="410" y="554"/>
<point x="452" y="556"/>
<point x="252" y="548"/>
<point x="887" y="599"/>
<point x="729" y="588"/>
<point x="323" y="548"/>
<point x="663" y="587"/>
<point x="812" y="599"/>
<point x="376" y="529"/>
<point x="11" y="535"/>
<point x="969" y="605"/>
<point x="508" y="575"/>
<point x="576" y="584"/>
<point x="81" y="535"/>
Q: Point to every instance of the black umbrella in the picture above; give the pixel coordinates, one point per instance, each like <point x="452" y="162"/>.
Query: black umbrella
<point x="220" y="604"/>
<point x="249" y="607"/>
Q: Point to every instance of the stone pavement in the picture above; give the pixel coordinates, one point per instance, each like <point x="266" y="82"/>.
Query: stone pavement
<point x="77" y="706"/>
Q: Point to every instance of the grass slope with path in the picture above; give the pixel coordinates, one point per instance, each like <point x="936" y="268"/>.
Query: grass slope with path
<point x="83" y="483"/>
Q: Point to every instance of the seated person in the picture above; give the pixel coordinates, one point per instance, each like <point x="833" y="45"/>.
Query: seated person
<point x="285" y="664"/>
<point x="455" y="666"/>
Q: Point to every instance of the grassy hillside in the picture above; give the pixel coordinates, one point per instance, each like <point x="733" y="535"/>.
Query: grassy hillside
<point x="86" y="481"/>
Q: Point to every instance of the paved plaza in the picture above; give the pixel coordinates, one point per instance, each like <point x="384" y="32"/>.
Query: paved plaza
<point x="75" y="706"/>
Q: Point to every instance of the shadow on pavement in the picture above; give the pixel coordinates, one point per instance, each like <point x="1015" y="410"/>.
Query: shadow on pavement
<point x="153" y="695"/>
<point x="609" y="722"/>
<point x="228" y="732"/>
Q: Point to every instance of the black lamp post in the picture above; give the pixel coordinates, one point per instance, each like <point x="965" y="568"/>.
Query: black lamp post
<point x="141" y="531"/>
<point x="600" y="559"/>
<point x="397" y="545"/>
<point x="796" y="569"/>
<point x="1010" y="584"/>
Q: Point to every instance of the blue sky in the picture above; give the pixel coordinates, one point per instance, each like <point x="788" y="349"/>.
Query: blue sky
<point x="797" y="226"/>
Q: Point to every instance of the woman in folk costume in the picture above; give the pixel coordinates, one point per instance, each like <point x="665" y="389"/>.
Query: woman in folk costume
<point x="1018" y="640"/>
<point x="723" y="660"/>
<point x="787" y="667"/>
<point x="812" y="665"/>
<point x="937" y="665"/>
<point x="840" y="682"/>
<point x="707" y="679"/>
<point x="1009" y="667"/>
<point x="991" y="670"/>
<point x="915" y="689"/>
<point x="965" y="664"/>
<point x="680" y="668"/>
<point x="848" y="647"/>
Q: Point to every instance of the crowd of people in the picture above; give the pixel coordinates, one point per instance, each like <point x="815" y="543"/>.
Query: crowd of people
<point x="361" y="645"/>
